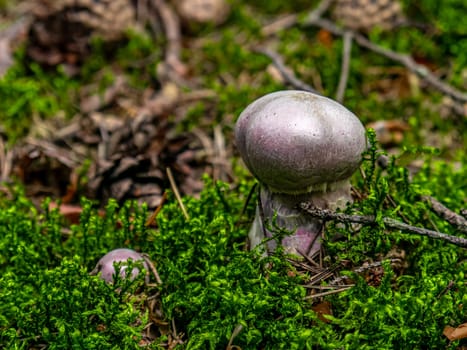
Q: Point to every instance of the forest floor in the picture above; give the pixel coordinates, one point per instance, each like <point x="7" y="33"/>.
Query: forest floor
<point x="131" y="100"/>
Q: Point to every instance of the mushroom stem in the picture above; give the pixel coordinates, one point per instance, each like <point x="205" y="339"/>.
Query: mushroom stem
<point x="281" y="210"/>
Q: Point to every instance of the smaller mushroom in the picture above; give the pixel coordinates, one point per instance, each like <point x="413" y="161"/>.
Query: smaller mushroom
<point x="105" y="266"/>
<point x="302" y="147"/>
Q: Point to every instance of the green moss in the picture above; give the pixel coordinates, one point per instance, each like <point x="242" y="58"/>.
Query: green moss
<point x="48" y="295"/>
<point x="213" y="286"/>
<point x="27" y="90"/>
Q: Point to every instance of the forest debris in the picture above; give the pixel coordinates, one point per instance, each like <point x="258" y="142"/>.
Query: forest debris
<point x="392" y="83"/>
<point x="122" y="156"/>
<point x="62" y="30"/>
<point x="171" y="25"/>
<point x="460" y="332"/>
<point x="327" y="215"/>
<point x="174" y="187"/>
<point x="71" y="212"/>
<point x="287" y="74"/>
<point x="363" y="15"/>
<point x="322" y="309"/>
<point x="447" y="214"/>
<point x="96" y="101"/>
<point x="389" y="132"/>
<point x="404" y="59"/>
<point x="6" y="161"/>
<point x="202" y="11"/>
<point x="9" y="39"/>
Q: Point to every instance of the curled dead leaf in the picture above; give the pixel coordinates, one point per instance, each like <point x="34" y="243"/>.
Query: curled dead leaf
<point x="460" y="332"/>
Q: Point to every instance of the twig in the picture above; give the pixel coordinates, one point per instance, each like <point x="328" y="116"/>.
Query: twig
<point x="6" y="161"/>
<point x="346" y="53"/>
<point x="173" y="185"/>
<point x="152" y="218"/>
<point x="323" y="275"/>
<point x="319" y="10"/>
<point x="447" y="289"/>
<point x="329" y="287"/>
<point x="327" y="215"/>
<point x="329" y="292"/>
<point x="238" y="328"/>
<point x="61" y="154"/>
<point x="447" y="214"/>
<point x="404" y="59"/>
<point x="279" y="24"/>
<point x="288" y="76"/>
<point x="291" y="20"/>
<point x="363" y="268"/>
<point x="153" y="269"/>
<point x="171" y="26"/>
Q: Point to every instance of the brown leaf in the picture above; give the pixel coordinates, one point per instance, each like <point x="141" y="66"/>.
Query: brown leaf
<point x="325" y="38"/>
<point x="70" y="212"/>
<point x="389" y="132"/>
<point x="457" y="333"/>
<point x="323" y="309"/>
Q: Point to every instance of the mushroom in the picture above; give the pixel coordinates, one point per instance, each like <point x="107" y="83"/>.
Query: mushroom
<point x="300" y="147"/>
<point x="106" y="264"/>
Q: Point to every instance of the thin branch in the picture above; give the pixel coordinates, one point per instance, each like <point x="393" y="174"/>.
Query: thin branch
<point x="451" y="284"/>
<point x="447" y="214"/>
<point x="322" y="7"/>
<point x="174" y="187"/>
<point x="346" y="53"/>
<point x="363" y="268"/>
<point x="286" y="73"/>
<point x="329" y="292"/>
<point x="327" y="215"/>
<point x="153" y="269"/>
<point x="171" y="24"/>
<point x="404" y="59"/>
<point x="153" y="216"/>
<point x="280" y="24"/>
<point x="238" y="328"/>
<point x="6" y="161"/>
<point x="290" y="20"/>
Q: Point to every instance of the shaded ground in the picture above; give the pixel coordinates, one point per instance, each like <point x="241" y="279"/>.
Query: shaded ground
<point x="193" y="81"/>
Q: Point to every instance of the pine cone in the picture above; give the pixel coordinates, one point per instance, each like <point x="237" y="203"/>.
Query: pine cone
<point x="364" y="15"/>
<point x="62" y="29"/>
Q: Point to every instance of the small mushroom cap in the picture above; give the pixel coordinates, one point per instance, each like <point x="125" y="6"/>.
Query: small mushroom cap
<point x="106" y="264"/>
<point x="297" y="141"/>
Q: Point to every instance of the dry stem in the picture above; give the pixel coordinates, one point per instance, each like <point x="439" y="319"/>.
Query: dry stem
<point x="327" y="215"/>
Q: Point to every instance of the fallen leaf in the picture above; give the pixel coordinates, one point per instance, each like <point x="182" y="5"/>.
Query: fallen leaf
<point x="457" y="333"/>
<point x="325" y="38"/>
<point x="323" y="309"/>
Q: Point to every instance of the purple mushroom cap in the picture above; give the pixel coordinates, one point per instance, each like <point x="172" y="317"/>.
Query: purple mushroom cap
<point x="297" y="142"/>
<point x="106" y="264"/>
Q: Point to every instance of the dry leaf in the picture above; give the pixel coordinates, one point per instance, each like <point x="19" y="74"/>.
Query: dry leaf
<point x="323" y="309"/>
<point x="325" y="37"/>
<point x="456" y="333"/>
